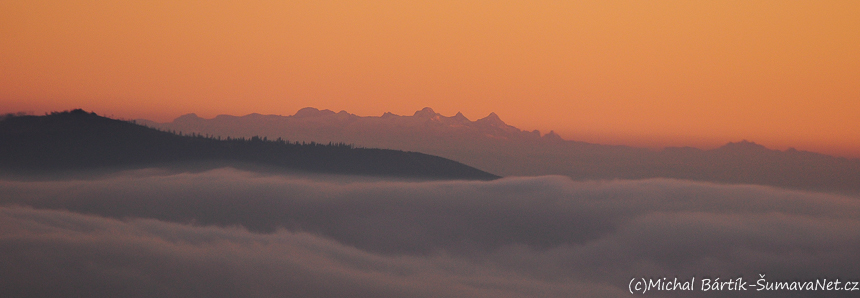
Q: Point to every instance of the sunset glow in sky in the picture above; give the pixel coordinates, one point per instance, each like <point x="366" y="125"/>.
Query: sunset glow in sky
<point x="644" y="73"/>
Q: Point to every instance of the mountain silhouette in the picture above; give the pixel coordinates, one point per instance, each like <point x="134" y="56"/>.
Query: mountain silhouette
<point x="77" y="140"/>
<point x="491" y="144"/>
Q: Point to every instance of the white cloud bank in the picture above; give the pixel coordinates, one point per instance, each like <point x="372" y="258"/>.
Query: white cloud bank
<point x="184" y="235"/>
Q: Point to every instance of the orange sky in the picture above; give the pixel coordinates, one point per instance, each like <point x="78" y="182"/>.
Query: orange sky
<point x="645" y="73"/>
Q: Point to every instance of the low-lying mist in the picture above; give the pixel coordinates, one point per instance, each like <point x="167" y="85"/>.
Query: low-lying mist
<point x="228" y="233"/>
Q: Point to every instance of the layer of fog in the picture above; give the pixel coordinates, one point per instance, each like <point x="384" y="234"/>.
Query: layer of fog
<point x="234" y="233"/>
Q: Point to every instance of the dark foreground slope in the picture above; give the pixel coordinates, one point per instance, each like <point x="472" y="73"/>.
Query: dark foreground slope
<point x="78" y="140"/>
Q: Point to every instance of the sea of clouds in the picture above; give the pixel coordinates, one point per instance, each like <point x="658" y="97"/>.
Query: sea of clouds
<point x="232" y="233"/>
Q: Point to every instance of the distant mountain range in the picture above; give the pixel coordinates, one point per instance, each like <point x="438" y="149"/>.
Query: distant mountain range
<point x="77" y="140"/>
<point x="490" y="144"/>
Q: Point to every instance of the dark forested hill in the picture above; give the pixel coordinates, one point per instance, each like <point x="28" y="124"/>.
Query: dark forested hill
<point x="77" y="140"/>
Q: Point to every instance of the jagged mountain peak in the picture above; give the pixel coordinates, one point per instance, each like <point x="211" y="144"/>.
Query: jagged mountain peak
<point x="312" y="112"/>
<point x="492" y="119"/>
<point x="744" y="145"/>
<point x="425" y="112"/>
<point x="552" y="136"/>
<point x="460" y="117"/>
<point x="187" y="117"/>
